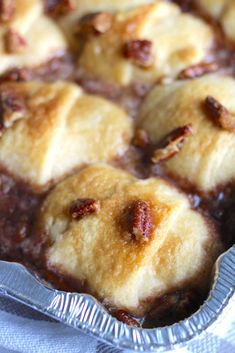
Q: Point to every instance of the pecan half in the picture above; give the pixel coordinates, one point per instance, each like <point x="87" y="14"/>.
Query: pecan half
<point x="97" y="23"/>
<point x="7" y="10"/>
<point x="123" y="316"/>
<point x="220" y="114"/>
<point x="10" y="103"/>
<point x="197" y="70"/>
<point x="141" y="222"/>
<point x="16" y="75"/>
<point x="56" y="8"/>
<point x="14" y="42"/>
<point x="140" y="51"/>
<point x="83" y="207"/>
<point x="172" y="144"/>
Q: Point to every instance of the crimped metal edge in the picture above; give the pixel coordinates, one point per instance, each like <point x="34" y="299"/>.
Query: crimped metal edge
<point x="83" y="312"/>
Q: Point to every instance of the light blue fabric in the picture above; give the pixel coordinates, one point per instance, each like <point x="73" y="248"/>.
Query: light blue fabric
<point x="25" y="331"/>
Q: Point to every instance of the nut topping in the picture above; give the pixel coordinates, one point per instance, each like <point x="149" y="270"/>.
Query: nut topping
<point x="11" y="108"/>
<point x="56" y="8"/>
<point x="83" y="207"/>
<point x="14" y="42"/>
<point x="220" y="114"/>
<point x="16" y="75"/>
<point x="198" y="70"/>
<point x="172" y="144"/>
<point x="141" y="223"/>
<point x="123" y="316"/>
<point x="97" y="23"/>
<point x="7" y="10"/>
<point x="140" y="51"/>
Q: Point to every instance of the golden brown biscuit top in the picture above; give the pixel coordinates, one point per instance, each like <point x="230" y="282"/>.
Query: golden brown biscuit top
<point x="56" y="128"/>
<point x="143" y="232"/>
<point x="206" y="104"/>
<point x="86" y="6"/>
<point x="142" y="45"/>
<point x="24" y="39"/>
<point x="126" y="236"/>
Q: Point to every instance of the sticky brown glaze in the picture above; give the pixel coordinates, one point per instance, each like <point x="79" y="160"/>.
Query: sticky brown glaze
<point x="129" y="98"/>
<point x="19" y="207"/>
<point x="58" y="68"/>
<point x="19" y="204"/>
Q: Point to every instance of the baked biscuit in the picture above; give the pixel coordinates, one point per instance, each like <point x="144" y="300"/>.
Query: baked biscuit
<point x="224" y="12"/>
<point x="128" y="241"/>
<point x="49" y="129"/>
<point x="90" y="6"/>
<point x="24" y="39"/>
<point x="81" y="8"/>
<point x="147" y="43"/>
<point x="206" y="159"/>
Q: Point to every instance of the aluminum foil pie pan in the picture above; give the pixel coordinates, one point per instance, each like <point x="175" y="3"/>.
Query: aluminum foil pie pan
<point x="83" y="312"/>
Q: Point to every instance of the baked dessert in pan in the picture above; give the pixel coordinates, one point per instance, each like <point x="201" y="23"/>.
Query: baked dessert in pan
<point x="24" y="35"/>
<point x="209" y="149"/>
<point x="74" y="119"/>
<point x="143" y="231"/>
<point x="147" y="43"/>
<point x="117" y="146"/>
<point x="69" y="21"/>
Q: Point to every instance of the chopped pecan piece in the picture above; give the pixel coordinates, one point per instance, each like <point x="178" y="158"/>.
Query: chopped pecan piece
<point x="123" y="316"/>
<point x="141" y="222"/>
<point x="10" y="103"/>
<point x="220" y="114"/>
<point x="83" y="207"/>
<point x="97" y="23"/>
<point x="172" y="144"/>
<point x="16" y="75"/>
<point x="7" y="10"/>
<point x="198" y="70"/>
<point x="141" y="138"/>
<point x="140" y="51"/>
<point x="14" y="42"/>
<point x="56" y="8"/>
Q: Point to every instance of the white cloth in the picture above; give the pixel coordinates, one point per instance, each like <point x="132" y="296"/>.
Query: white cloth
<point x="26" y="331"/>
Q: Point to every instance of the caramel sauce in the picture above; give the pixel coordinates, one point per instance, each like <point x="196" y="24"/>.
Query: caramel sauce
<point x="19" y="204"/>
